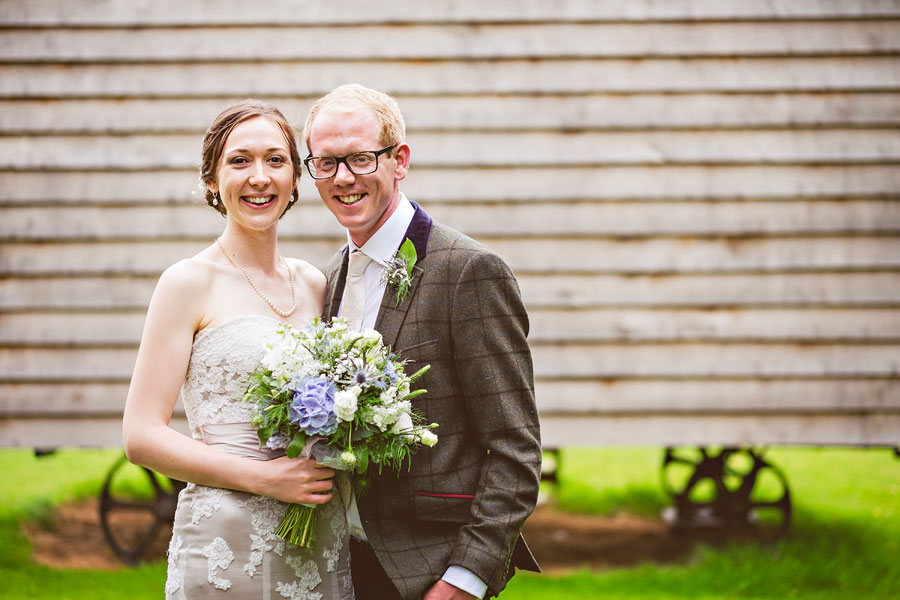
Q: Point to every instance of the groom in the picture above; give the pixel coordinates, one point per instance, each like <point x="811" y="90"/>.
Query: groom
<point x="449" y="526"/>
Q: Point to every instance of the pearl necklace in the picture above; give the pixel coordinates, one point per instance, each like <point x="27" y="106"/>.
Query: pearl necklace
<point x="283" y="313"/>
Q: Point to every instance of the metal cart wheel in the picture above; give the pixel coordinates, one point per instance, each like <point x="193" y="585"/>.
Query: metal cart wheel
<point x="146" y="516"/>
<point x="727" y="491"/>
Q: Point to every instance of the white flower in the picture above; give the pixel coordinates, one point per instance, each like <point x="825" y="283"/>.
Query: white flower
<point x="403" y="426"/>
<point x="348" y="459"/>
<point x="385" y="416"/>
<point x="428" y="438"/>
<point x="345" y="404"/>
<point x="287" y="359"/>
<point x="389" y="396"/>
<point x="371" y="336"/>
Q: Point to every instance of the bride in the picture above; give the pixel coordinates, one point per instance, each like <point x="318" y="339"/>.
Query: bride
<point x="207" y="326"/>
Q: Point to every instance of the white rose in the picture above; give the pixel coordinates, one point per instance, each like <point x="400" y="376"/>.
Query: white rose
<point x="428" y="438"/>
<point x="403" y="425"/>
<point x="345" y="405"/>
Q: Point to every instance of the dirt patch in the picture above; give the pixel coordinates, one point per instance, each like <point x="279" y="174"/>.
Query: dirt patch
<point x="563" y="541"/>
<point x="73" y="539"/>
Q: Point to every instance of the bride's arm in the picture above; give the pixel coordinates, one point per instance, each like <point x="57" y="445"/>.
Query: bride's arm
<point x="173" y="317"/>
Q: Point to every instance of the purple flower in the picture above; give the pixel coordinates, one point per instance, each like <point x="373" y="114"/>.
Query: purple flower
<point x="278" y="441"/>
<point x="313" y="407"/>
<point x="391" y="371"/>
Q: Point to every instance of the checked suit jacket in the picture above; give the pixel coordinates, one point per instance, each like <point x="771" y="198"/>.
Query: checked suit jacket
<point x="462" y="502"/>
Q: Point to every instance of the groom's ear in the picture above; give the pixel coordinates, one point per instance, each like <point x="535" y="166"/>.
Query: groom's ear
<point x="402" y="161"/>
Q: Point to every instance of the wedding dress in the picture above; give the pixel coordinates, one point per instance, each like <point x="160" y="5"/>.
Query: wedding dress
<point x="223" y="542"/>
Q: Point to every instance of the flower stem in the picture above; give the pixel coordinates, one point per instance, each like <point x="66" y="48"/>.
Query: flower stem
<point x="298" y="525"/>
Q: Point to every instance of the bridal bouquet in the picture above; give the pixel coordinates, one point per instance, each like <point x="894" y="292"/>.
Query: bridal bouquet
<point x="339" y="396"/>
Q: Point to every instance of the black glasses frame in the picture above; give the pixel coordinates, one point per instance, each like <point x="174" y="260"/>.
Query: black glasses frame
<point x="343" y="159"/>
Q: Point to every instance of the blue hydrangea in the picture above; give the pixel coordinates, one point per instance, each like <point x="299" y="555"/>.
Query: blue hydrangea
<point x="312" y="409"/>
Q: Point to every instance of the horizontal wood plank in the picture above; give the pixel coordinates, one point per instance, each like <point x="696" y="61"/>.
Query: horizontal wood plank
<point x="300" y="78"/>
<point x="559" y="431"/>
<point x="713" y="396"/>
<point x="717" y="290"/>
<point x="570" y="360"/>
<point x="544" y="255"/>
<point x="84" y="432"/>
<point x="524" y="185"/>
<point x="450" y="41"/>
<point x="150" y="13"/>
<point x="711" y="430"/>
<point x="67" y="399"/>
<point x="726" y="325"/>
<point x="481" y="113"/>
<point x="691" y="360"/>
<point x="550" y="291"/>
<point x="481" y="149"/>
<point x="554" y="397"/>
<point x="879" y="217"/>
<point x="547" y="325"/>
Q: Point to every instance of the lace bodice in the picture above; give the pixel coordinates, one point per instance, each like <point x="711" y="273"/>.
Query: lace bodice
<point x="221" y="360"/>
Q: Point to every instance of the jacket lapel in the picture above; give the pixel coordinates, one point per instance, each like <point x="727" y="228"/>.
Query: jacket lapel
<point x="335" y="291"/>
<point x="390" y="315"/>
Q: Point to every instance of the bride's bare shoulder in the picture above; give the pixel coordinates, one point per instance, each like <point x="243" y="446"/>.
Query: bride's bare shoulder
<point x="189" y="278"/>
<point x="307" y="273"/>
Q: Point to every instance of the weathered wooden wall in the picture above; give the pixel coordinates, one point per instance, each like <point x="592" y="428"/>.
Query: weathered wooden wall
<point x="701" y="198"/>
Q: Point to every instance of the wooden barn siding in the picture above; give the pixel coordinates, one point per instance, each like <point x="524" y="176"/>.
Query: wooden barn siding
<point x="700" y="199"/>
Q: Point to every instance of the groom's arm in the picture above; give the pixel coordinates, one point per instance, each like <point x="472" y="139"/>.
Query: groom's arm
<point x="494" y="368"/>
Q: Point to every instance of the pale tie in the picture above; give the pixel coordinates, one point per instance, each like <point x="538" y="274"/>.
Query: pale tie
<point x="354" y="302"/>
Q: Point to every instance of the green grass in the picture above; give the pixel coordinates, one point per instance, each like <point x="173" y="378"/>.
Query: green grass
<point x="30" y="487"/>
<point x="844" y="543"/>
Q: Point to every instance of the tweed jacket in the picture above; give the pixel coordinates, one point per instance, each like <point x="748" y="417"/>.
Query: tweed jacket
<point x="464" y="501"/>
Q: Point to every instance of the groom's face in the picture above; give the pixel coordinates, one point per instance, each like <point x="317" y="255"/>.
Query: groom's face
<point x="361" y="203"/>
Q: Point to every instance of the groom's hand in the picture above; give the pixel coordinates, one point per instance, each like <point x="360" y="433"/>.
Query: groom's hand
<point x="444" y="591"/>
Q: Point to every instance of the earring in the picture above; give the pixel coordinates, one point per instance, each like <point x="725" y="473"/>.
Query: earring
<point x="215" y="198"/>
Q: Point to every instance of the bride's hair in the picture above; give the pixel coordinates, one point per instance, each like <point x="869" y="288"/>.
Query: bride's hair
<point x="221" y="128"/>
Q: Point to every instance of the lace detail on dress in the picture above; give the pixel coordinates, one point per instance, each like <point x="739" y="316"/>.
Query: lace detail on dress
<point x="309" y="579"/>
<point x="338" y="523"/>
<point x="218" y="556"/>
<point x="206" y="502"/>
<point x="213" y="390"/>
<point x="265" y="516"/>
<point x="173" y="575"/>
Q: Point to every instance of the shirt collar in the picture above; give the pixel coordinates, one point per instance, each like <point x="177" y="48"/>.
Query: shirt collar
<point x="383" y="244"/>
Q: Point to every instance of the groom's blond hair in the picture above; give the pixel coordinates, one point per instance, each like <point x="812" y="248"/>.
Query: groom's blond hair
<point x="352" y="97"/>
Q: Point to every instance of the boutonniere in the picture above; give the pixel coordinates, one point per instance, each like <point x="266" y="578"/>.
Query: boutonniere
<point x="399" y="270"/>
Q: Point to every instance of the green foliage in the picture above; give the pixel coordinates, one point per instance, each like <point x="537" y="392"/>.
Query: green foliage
<point x="399" y="271"/>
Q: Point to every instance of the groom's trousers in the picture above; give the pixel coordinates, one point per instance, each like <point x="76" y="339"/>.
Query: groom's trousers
<point x="369" y="580"/>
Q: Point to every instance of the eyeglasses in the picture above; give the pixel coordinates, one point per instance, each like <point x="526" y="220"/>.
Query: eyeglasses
<point x="358" y="163"/>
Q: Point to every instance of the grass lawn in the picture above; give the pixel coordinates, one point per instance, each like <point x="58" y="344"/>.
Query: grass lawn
<point x="844" y="543"/>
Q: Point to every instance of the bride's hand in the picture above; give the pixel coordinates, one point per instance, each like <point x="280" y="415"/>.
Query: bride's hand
<point x="298" y="480"/>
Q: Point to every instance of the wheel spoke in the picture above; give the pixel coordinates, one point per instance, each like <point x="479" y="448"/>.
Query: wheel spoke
<point x="138" y="505"/>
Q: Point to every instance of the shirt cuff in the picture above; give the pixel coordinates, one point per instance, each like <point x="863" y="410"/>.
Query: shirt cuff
<point x="465" y="580"/>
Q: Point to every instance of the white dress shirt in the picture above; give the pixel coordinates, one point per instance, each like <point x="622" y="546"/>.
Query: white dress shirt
<point x="381" y="248"/>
